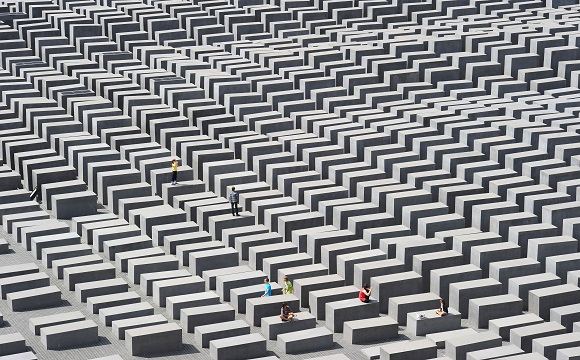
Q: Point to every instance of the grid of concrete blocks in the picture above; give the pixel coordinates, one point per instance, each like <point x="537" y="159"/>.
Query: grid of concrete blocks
<point x="429" y="148"/>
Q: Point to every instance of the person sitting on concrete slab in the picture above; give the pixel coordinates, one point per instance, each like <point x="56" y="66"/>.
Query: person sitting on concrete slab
<point x="234" y="200"/>
<point x="267" y="288"/>
<point x="286" y="313"/>
<point x="287" y="287"/>
<point x="174" y="165"/>
<point x="365" y="293"/>
<point x="443" y="309"/>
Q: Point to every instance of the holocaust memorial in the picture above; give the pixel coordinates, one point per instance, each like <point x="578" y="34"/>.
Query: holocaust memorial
<point x="290" y="179"/>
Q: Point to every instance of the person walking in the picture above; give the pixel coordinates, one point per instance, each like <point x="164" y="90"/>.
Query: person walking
<point x="267" y="288"/>
<point x="287" y="287"/>
<point x="234" y="200"/>
<point x="364" y="294"/>
<point x="35" y="194"/>
<point x="174" y="171"/>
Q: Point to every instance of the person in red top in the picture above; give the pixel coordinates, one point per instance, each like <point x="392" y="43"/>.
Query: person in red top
<point x="364" y="294"/>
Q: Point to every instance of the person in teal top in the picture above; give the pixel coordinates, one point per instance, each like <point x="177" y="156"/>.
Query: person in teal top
<point x="268" y="288"/>
<point x="287" y="287"/>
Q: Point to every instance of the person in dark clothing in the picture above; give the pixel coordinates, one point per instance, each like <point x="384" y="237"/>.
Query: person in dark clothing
<point x="364" y="294"/>
<point x="286" y="313"/>
<point x="174" y="171"/>
<point x="234" y="200"/>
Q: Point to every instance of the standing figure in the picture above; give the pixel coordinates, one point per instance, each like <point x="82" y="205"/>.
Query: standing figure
<point x="36" y="194"/>
<point x="443" y="309"/>
<point x="234" y="200"/>
<point x="174" y="171"/>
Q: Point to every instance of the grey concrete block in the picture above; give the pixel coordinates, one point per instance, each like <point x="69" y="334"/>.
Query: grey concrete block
<point x="330" y="253"/>
<point x="67" y="206"/>
<point x="243" y="244"/>
<point x="22" y="282"/>
<point x="205" y="315"/>
<point x="305" y="341"/>
<point x="266" y="306"/>
<point x="386" y="287"/>
<point x="493" y="353"/>
<point x="523" y="336"/>
<point x="363" y="272"/>
<point x="58" y="266"/>
<point x="4" y="248"/>
<point x="300" y="272"/>
<point x="161" y="338"/>
<point x="210" y="275"/>
<point x="458" y="347"/>
<point x="18" y="269"/>
<point x="120" y="326"/>
<point x="39" y="243"/>
<point x="418" y="349"/>
<point x="503" y="326"/>
<point x="425" y="263"/>
<point x="206" y="333"/>
<point x="484" y="255"/>
<point x="482" y="310"/>
<point x="562" y="264"/>
<point x="370" y="330"/>
<point x="96" y="303"/>
<point x="338" y="312"/>
<point x="272" y="326"/>
<point x="213" y="259"/>
<point x="12" y="343"/>
<point x="319" y="298"/>
<point x="239" y="296"/>
<point x="110" y="314"/>
<point x="37" y="323"/>
<point x="303" y="286"/>
<point x="566" y="315"/>
<point x="80" y="274"/>
<point x="425" y="322"/>
<point x="542" y="248"/>
<point x="64" y="252"/>
<point x="272" y="265"/>
<point x="257" y="254"/>
<point x="503" y="271"/>
<point x="238" y="347"/>
<point x="139" y="266"/>
<point x="540" y="301"/>
<point x="400" y="306"/>
<point x="122" y="259"/>
<point x="148" y="279"/>
<point x="29" y="355"/>
<point x="37" y="298"/>
<point x="521" y="286"/>
<point x="163" y="289"/>
<point x="548" y="346"/>
<point x="176" y="303"/>
<point x="70" y="335"/>
<point x="568" y="353"/>
<point x="460" y="293"/>
<point x="114" y="247"/>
